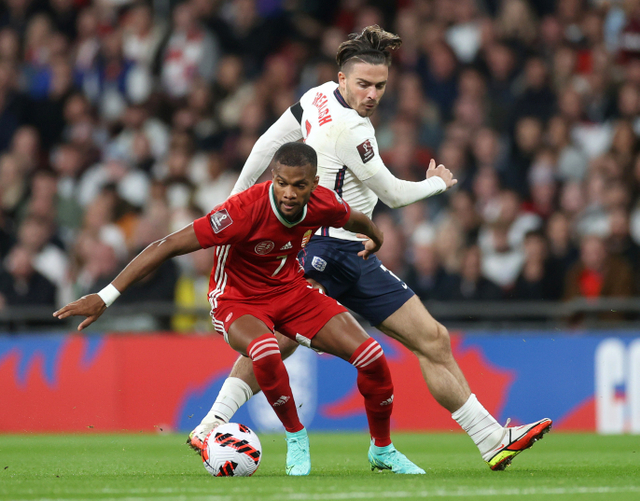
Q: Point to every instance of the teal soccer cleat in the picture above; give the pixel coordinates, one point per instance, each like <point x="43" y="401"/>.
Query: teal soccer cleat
<point x="298" y="457"/>
<point x="388" y="458"/>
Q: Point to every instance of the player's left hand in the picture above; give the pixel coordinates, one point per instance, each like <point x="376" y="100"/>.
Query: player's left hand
<point x="441" y="171"/>
<point x="91" y="306"/>
<point x="370" y="247"/>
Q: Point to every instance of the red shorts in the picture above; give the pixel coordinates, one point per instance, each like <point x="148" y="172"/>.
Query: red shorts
<point x="299" y="314"/>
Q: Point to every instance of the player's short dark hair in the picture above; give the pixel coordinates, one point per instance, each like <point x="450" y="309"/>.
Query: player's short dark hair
<point x="372" y="46"/>
<point x="296" y="155"/>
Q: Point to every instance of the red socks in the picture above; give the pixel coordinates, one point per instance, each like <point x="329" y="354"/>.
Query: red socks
<point x="375" y="385"/>
<point x="273" y="379"/>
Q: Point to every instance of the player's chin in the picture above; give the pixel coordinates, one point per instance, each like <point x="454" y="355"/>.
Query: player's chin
<point x="290" y="211"/>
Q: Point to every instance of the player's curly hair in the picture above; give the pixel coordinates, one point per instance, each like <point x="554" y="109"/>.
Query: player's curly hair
<point x="373" y="46"/>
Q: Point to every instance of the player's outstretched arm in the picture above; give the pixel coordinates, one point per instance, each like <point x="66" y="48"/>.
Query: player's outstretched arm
<point x="397" y="193"/>
<point x="364" y="227"/>
<point x="285" y="130"/>
<point x="92" y="306"/>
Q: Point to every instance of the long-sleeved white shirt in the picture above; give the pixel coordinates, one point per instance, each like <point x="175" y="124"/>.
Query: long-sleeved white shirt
<point x="348" y="158"/>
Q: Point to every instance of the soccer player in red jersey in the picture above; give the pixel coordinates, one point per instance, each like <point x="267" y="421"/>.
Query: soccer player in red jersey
<point x="257" y="285"/>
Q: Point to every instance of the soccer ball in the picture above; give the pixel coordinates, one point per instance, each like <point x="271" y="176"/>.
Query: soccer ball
<point x="232" y="450"/>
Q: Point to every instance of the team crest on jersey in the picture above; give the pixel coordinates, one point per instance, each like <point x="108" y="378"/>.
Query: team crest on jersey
<point x="220" y="220"/>
<point x="306" y="237"/>
<point x="264" y="247"/>
<point x="318" y="263"/>
<point x="366" y="151"/>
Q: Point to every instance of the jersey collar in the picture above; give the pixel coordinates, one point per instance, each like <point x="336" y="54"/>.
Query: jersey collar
<point x="340" y="99"/>
<point x="280" y="215"/>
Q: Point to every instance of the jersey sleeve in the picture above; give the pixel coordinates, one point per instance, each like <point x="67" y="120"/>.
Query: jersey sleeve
<point x="337" y="211"/>
<point x="226" y="224"/>
<point x="357" y="148"/>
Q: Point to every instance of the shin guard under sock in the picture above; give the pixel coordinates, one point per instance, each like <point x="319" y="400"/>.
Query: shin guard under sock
<point x="273" y="379"/>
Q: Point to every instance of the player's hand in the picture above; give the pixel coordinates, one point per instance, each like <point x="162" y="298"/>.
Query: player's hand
<point x="442" y="172"/>
<point x="370" y="247"/>
<point x="90" y="306"/>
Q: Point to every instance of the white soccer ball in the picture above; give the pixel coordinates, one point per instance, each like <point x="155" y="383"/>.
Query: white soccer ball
<point x="232" y="450"/>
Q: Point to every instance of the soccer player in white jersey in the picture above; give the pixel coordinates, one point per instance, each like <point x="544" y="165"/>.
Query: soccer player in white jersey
<point x="334" y="120"/>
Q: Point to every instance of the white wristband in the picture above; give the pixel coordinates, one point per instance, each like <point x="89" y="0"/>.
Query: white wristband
<point x="109" y="294"/>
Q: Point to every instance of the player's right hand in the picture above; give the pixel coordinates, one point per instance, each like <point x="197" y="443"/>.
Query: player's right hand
<point x="90" y="306"/>
<point x="442" y="172"/>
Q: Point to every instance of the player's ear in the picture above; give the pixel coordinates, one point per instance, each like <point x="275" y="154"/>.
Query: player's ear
<point x="342" y="79"/>
<point x="316" y="180"/>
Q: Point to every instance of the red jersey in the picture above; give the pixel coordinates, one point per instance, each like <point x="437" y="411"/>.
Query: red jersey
<point x="257" y="247"/>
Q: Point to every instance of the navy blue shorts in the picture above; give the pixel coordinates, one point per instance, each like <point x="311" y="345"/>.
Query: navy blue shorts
<point x="366" y="287"/>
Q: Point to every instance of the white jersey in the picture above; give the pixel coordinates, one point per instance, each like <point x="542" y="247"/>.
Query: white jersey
<point x="346" y="146"/>
<point x="348" y="158"/>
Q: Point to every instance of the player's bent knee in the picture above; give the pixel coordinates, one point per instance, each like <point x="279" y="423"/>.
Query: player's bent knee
<point x="287" y="346"/>
<point x="436" y="346"/>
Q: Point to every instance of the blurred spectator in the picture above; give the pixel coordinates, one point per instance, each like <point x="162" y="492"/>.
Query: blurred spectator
<point x="470" y="284"/>
<point x="571" y="160"/>
<point x="218" y="184"/>
<point x="25" y="146"/>
<point x="500" y="62"/>
<point x="192" y="291"/>
<point x="527" y="140"/>
<point x="36" y="235"/>
<point x="392" y="253"/>
<point x="136" y="119"/>
<point x="598" y="274"/>
<point x="463" y="212"/>
<point x="437" y="68"/>
<point x="231" y="91"/>
<point x="142" y="35"/>
<point x="464" y="35"/>
<point x="64" y="14"/>
<point x="131" y="184"/>
<point x="95" y="264"/>
<point x="6" y="236"/>
<point x="535" y="283"/>
<point x="13" y="105"/>
<point x="537" y="99"/>
<point x="425" y="276"/>
<point x="10" y="46"/>
<point x="13" y="185"/>
<point x="21" y="285"/>
<point x="112" y="80"/>
<point x="516" y="23"/>
<point x="562" y="252"/>
<point x="190" y="52"/>
<point x="619" y="242"/>
<point x="542" y="184"/>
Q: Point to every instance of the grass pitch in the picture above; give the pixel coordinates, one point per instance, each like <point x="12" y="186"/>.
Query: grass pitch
<point x="151" y="467"/>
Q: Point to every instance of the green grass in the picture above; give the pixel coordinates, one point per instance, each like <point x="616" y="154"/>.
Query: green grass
<point x="562" y="466"/>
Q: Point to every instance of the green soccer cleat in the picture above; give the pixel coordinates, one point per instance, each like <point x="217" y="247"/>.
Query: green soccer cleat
<point x="298" y="457"/>
<point x="388" y="458"/>
<point x="515" y="440"/>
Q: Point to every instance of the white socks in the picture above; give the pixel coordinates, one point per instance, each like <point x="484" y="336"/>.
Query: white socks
<point x="481" y="426"/>
<point x="233" y="394"/>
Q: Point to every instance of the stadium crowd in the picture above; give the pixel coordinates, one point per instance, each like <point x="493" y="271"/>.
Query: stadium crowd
<point x="122" y="121"/>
